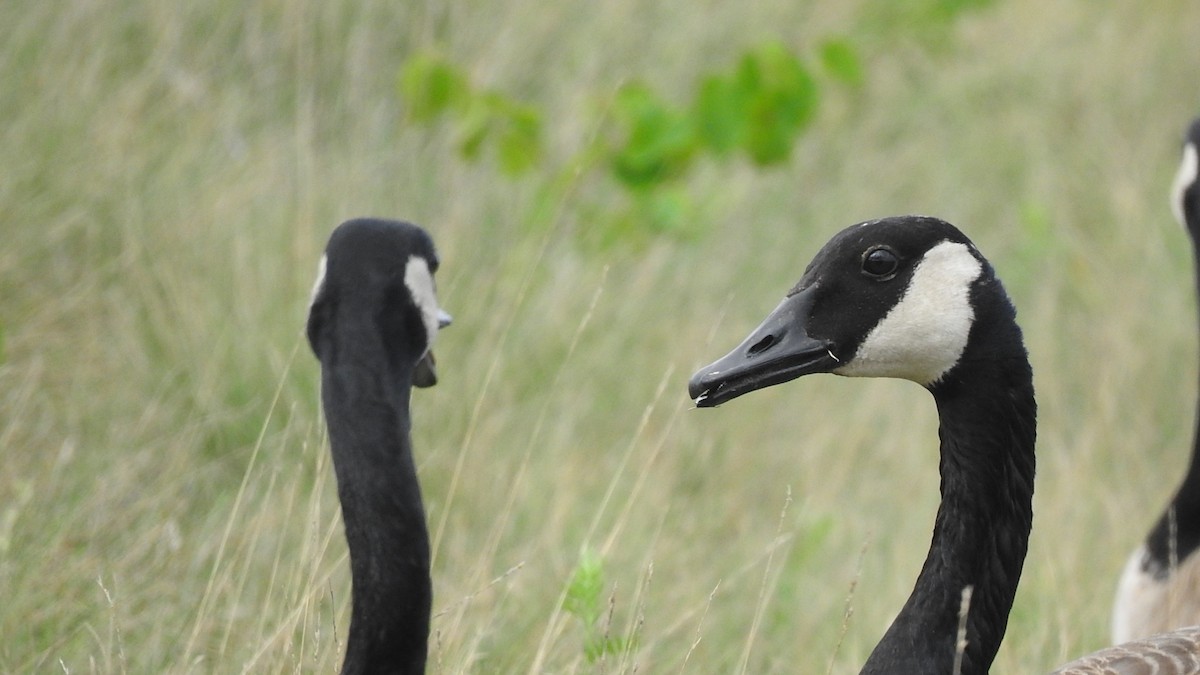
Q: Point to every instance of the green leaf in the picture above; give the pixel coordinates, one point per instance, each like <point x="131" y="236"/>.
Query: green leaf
<point x="473" y="130"/>
<point x="783" y="100"/>
<point x="841" y="61"/>
<point x="789" y="85"/>
<point x="583" y="599"/>
<point x="431" y="86"/>
<point x="659" y="142"/>
<point x="770" y="138"/>
<point x="519" y="146"/>
<point x="720" y="112"/>
<point x="519" y="131"/>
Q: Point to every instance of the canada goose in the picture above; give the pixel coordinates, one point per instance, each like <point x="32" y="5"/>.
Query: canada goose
<point x="911" y="297"/>
<point x="373" y="318"/>
<point x="1160" y="586"/>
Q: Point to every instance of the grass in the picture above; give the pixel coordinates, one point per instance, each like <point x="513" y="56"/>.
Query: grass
<point x="171" y="174"/>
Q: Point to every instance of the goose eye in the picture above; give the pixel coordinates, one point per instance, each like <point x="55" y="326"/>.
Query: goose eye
<point x="880" y="262"/>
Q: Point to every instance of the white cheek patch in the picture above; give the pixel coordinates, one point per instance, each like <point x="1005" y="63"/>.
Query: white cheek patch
<point x="1184" y="178"/>
<point x="419" y="281"/>
<point x="924" y="335"/>
<point x="316" y="289"/>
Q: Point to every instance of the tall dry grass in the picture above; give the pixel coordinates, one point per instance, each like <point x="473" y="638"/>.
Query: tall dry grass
<point x="170" y="176"/>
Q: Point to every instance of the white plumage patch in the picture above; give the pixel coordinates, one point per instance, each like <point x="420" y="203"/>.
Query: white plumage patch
<point x="1146" y="604"/>
<point x="420" y="284"/>
<point x="1133" y="602"/>
<point x="924" y="335"/>
<point x="1186" y="175"/>
<point x="316" y="289"/>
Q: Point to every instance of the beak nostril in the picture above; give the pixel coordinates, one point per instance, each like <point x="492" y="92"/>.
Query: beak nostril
<point x="762" y="345"/>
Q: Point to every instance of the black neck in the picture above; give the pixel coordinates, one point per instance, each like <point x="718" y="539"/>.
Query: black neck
<point x="987" y="415"/>
<point x="366" y="398"/>
<point x="1176" y="535"/>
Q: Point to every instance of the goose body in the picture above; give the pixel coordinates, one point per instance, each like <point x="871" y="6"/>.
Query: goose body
<point x="372" y="321"/>
<point x="1159" y="588"/>
<point x="911" y="297"/>
<point x="1173" y="653"/>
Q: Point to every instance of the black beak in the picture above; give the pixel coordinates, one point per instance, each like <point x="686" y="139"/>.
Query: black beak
<point x="425" y="374"/>
<point x="779" y="350"/>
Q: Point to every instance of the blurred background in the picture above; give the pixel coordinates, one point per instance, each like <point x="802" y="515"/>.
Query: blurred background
<point x="619" y="191"/>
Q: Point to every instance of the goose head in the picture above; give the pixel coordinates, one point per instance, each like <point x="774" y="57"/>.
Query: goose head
<point x="1185" y="191"/>
<point x="895" y="297"/>
<point x="378" y="275"/>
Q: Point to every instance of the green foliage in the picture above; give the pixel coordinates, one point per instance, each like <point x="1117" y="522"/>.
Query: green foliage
<point x="780" y="99"/>
<point x="659" y="142"/>
<point x="759" y="107"/>
<point x="719" y="108"/>
<point x="585" y="601"/>
<point x="432" y="87"/>
<point x="756" y="109"/>
<point x="515" y="128"/>
<point x="841" y="61"/>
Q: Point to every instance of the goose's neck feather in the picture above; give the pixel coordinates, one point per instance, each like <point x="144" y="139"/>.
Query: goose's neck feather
<point x="1176" y="534"/>
<point x="987" y="430"/>
<point x="366" y="402"/>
